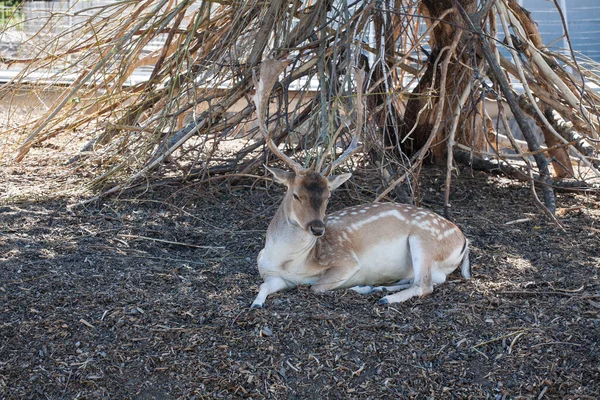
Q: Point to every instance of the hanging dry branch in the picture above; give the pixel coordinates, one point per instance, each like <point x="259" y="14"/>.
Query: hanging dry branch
<point x="162" y="88"/>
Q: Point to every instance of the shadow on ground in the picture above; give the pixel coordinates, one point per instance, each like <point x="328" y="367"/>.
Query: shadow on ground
<point x="148" y="298"/>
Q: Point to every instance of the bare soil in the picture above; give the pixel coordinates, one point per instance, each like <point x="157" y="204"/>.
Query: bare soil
<point x="147" y="297"/>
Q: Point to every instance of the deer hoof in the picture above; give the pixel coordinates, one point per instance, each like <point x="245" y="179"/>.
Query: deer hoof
<point x="255" y="306"/>
<point x="383" y="301"/>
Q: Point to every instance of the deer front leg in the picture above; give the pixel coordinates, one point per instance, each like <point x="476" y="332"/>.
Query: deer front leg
<point x="270" y="285"/>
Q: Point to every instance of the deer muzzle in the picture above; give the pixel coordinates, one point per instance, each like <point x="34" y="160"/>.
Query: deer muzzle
<point x="316" y="227"/>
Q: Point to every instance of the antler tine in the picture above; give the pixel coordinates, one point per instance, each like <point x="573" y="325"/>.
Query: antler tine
<point x="269" y="72"/>
<point x="360" y="118"/>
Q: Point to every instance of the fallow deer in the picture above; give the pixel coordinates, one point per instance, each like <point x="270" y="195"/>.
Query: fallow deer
<point x="361" y="247"/>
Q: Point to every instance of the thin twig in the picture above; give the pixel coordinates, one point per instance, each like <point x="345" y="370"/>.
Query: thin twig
<point x="170" y="242"/>
<point x="499" y="338"/>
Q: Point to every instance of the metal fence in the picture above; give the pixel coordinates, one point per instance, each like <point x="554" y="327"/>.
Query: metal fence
<point x="26" y="31"/>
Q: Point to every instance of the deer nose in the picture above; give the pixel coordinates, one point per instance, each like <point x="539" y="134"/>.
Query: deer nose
<point x="316" y="227"/>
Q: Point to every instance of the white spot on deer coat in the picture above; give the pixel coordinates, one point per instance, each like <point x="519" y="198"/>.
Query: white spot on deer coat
<point x="391" y="213"/>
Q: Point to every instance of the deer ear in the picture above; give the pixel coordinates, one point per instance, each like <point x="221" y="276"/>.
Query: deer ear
<point x="336" y="181"/>
<point x="281" y="176"/>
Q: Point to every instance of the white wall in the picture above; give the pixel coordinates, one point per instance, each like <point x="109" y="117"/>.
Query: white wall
<point x="583" y="21"/>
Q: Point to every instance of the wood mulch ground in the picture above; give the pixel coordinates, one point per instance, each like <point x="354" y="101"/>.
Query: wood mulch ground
<point x="147" y="296"/>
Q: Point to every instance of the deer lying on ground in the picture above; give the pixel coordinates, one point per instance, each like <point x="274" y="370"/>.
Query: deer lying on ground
<point x="409" y="248"/>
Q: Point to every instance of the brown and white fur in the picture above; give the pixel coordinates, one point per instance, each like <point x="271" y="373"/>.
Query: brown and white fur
<point x="407" y="247"/>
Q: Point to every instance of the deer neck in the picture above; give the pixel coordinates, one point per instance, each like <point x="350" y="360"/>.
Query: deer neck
<point x="286" y="241"/>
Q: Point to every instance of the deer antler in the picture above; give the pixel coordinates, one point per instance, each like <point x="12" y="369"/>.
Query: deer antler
<point x="360" y="119"/>
<point x="269" y="72"/>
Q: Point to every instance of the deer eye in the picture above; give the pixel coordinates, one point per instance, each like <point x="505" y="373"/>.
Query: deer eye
<point x="296" y="197"/>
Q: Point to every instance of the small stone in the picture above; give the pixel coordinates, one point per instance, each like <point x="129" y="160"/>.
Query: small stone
<point x="266" y="331"/>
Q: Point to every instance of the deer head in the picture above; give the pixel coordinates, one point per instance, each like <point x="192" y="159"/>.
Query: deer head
<point x="306" y="198"/>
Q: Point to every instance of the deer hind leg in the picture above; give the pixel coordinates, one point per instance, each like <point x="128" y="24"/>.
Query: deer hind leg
<point x="423" y="278"/>
<point x="465" y="266"/>
<point x="271" y="285"/>
<point x="437" y="278"/>
<point x="333" y="278"/>
<point x="400" y="285"/>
